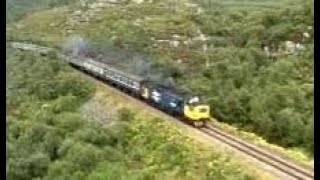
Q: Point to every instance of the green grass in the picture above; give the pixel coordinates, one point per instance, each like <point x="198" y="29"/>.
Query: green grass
<point x="250" y="6"/>
<point x="43" y="26"/>
<point x="17" y="9"/>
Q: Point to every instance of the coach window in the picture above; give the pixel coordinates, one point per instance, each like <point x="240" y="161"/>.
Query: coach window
<point x="112" y="74"/>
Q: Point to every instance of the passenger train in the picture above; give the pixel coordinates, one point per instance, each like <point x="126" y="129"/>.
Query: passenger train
<point x="185" y="106"/>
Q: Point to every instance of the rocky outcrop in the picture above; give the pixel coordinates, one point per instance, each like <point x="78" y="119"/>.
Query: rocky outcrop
<point x="88" y="12"/>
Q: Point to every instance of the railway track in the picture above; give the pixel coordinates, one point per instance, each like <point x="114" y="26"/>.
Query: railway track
<point x="283" y="165"/>
<point x="273" y="160"/>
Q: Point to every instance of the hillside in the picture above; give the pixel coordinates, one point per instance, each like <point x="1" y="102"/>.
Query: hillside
<point x="17" y="9"/>
<point x="62" y="125"/>
<point x="254" y="64"/>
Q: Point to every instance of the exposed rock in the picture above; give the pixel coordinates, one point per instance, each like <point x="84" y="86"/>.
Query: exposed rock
<point x="137" y="22"/>
<point x="204" y="47"/>
<point x="69" y="31"/>
<point x="112" y="1"/>
<point x="299" y="46"/>
<point x="78" y="12"/>
<point x="162" y="40"/>
<point x="174" y="43"/>
<point x="266" y="50"/>
<point x="101" y="5"/>
<point x="138" y="1"/>
<point x="175" y="36"/>
<point x="290" y="46"/>
<point x="190" y="5"/>
<point x="208" y="63"/>
<point x="79" y="17"/>
<point x="45" y="106"/>
<point x="113" y="38"/>
<point x="199" y="10"/>
<point x="306" y="35"/>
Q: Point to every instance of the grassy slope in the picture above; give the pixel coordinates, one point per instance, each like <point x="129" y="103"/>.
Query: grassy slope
<point x="17" y="9"/>
<point x="200" y="152"/>
<point x="48" y="136"/>
<point x="46" y="27"/>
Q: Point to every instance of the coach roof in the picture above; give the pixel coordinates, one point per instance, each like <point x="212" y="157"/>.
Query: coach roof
<point x="103" y="65"/>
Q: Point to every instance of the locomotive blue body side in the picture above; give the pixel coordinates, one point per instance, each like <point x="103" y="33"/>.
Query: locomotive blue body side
<point x="166" y="99"/>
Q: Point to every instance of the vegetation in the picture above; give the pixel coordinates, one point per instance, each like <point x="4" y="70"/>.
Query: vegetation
<point x="271" y="95"/>
<point x="17" y="9"/>
<point x="48" y="138"/>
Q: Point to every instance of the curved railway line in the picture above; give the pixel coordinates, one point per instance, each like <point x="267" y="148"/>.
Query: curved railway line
<point x="271" y="159"/>
<point x="285" y="166"/>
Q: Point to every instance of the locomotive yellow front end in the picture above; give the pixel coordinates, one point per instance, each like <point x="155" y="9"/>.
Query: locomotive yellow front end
<point x="197" y="112"/>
